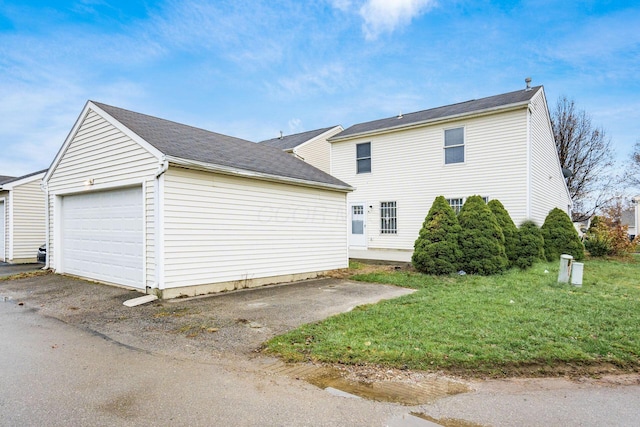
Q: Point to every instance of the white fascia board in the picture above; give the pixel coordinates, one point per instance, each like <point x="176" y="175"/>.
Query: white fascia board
<point x="473" y="114"/>
<point x="74" y="130"/>
<point x="225" y="170"/>
<point x="324" y="135"/>
<point x="11" y="185"/>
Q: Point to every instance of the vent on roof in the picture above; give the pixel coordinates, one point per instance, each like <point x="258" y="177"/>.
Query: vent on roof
<point x="400" y="115"/>
<point x="528" y="82"/>
<point x="280" y="135"/>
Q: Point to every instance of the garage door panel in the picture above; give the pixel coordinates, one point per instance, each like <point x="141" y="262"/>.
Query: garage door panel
<point x="102" y="235"/>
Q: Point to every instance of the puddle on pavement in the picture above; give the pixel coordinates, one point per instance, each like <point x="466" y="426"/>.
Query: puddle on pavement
<point x="420" y="392"/>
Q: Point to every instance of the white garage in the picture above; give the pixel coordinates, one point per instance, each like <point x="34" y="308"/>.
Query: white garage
<point x="102" y="236"/>
<point x="174" y="210"/>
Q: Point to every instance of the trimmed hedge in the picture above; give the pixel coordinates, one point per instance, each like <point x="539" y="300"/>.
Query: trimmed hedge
<point x="481" y="239"/>
<point x="560" y="236"/>
<point x="530" y="245"/>
<point x="436" y="249"/>
<point x="509" y="229"/>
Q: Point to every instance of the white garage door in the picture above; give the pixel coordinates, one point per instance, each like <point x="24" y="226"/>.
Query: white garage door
<point x="102" y="236"/>
<point x="2" y="228"/>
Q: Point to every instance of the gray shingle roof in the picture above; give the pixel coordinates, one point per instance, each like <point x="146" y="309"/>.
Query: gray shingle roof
<point x="190" y="143"/>
<point x="4" y="179"/>
<point x="289" y="142"/>
<point x="468" y="107"/>
<point x="22" y="177"/>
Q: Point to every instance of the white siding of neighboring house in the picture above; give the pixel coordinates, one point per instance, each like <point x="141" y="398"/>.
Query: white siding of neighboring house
<point x="548" y="188"/>
<point x="408" y="167"/>
<point x="317" y="151"/>
<point x="4" y="235"/>
<point x="102" y="152"/>
<point x="27" y="222"/>
<point x="220" y="228"/>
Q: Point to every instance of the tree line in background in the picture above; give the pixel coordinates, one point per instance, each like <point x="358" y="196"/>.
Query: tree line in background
<point x="483" y="239"/>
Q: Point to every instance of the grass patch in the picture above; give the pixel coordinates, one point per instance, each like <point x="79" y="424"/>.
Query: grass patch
<point x="485" y="325"/>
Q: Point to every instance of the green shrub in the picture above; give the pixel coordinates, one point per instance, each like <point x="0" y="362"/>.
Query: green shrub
<point x="436" y="249"/>
<point x="530" y="246"/>
<point x="481" y="239"/>
<point x="509" y="229"/>
<point x="560" y="236"/>
<point x="607" y="237"/>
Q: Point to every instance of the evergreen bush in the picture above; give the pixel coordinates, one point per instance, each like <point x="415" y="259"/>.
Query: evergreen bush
<point x="560" y="236"/>
<point x="481" y="239"/>
<point x="530" y="246"/>
<point x="436" y="249"/>
<point x="509" y="229"/>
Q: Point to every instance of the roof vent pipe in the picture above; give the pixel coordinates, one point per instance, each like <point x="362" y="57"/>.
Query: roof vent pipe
<point x="400" y="115"/>
<point x="528" y="82"/>
<point x="280" y="135"/>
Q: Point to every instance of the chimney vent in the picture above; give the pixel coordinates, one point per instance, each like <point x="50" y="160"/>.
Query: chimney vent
<point x="281" y="135"/>
<point x="528" y="82"/>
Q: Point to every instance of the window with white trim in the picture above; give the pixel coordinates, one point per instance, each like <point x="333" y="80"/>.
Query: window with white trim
<point x="388" y="218"/>
<point x="363" y="157"/>
<point x="453" y="146"/>
<point x="456" y="204"/>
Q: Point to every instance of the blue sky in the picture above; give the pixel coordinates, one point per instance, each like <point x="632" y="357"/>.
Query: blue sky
<point x="253" y="68"/>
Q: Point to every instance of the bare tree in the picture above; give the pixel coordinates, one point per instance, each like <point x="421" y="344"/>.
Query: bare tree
<point x="586" y="152"/>
<point x="634" y="166"/>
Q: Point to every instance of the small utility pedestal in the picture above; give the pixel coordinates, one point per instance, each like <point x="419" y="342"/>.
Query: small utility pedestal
<point x="565" y="268"/>
<point x="576" y="273"/>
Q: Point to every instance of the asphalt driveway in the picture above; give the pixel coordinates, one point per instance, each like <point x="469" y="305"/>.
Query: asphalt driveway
<point x="202" y="327"/>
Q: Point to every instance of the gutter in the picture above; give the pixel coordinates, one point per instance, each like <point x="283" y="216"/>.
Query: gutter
<point x="225" y="170"/>
<point x="478" y="113"/>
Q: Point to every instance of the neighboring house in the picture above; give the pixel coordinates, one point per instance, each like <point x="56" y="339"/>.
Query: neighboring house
<point x="630" y="217"/>
<point x="500" y="147"/>
<point x="311" y="146"/>
<point x="22" y="218"/>
<point x="174" y="210"/>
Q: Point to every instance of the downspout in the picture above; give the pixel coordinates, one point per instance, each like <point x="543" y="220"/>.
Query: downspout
<point x="44" y="187"/>
<point x="159" y="227"/>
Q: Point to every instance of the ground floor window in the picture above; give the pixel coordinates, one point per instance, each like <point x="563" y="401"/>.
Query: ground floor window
<point x="456" y="203"/>
<point x="388" y="218"/>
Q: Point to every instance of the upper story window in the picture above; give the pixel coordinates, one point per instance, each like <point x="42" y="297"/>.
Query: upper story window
<point x="388" y="218"/>
<point x="453" y="146"/>
<point x="363" y="157"/>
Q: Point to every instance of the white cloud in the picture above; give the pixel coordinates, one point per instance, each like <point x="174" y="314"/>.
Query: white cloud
<point x="295" y="126"/>
<point x="382" y="16"/>
<point x="325" y="79"/>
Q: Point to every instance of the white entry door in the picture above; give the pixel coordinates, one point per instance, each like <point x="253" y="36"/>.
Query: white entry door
<point x="3" y="225"/>
<point x="102" y="236"/>
<point x="357" y="225"/>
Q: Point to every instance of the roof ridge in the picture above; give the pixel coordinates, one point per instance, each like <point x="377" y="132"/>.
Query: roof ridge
<point x="100" y="104"/>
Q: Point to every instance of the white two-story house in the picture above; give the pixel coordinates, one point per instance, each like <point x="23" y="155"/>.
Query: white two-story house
<point x="500" y="147"/>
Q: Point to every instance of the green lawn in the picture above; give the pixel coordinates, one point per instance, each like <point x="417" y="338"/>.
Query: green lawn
<point x="485" y="325"/>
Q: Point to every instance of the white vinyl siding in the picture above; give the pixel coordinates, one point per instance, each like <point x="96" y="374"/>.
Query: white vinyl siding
<point x="220" y="228"/>
<point x="548" y="188"/>
<point x="101" y="152"/>
<point x="410" y="170"/>
<point x="317" y="152"/>
<point x="3" y="228"/>
<point x="28" y="221"/>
